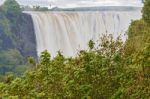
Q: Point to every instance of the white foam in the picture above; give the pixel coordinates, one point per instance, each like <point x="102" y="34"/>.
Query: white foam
<point x="71" y="31"/>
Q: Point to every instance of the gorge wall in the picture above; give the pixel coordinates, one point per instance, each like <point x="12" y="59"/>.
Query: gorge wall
<point x="25" y="40"/>
<point x="17" y="43"/>
<point x="18" y="36"/>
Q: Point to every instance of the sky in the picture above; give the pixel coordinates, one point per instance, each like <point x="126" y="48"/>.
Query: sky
<point x="80" y="3"/>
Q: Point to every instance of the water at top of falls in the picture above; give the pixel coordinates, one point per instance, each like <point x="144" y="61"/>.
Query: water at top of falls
<point x="69" y="32"/>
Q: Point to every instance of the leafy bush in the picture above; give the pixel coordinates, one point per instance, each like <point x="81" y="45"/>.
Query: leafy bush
<point x="146" y="11"/>
<point x="138" y="36"/>
<point x="101" y="73"/>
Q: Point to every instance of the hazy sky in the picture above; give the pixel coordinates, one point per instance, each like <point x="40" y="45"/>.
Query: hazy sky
<point x="82" y="3"/>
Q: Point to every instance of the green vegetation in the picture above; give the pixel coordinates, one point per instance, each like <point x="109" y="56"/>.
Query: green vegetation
<point x="35" y="8"/>
<point x="38" y="8"/>
<point x="146" y="11"/>
<point x="4" y="23"/>
<point x="114" y="70"/>
<point x="10" y="58"/>
<point x="103" y="73"/>
<point x="11" y="9"/>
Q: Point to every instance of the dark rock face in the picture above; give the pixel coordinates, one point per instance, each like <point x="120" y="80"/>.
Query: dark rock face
<point x="19" y="35"/>
<point x="24" y="36"/>
<point x="5" y="40"/>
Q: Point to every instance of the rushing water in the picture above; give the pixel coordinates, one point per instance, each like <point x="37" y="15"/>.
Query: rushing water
<point x="71" y="31"/>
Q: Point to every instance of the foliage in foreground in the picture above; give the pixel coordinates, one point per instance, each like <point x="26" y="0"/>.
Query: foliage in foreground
<point x="112" y="71"/>
<point x="102" y="73"/>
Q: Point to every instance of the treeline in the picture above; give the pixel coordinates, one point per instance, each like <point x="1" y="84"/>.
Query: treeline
<point x="35" y="8"/>
<point x="114" y="70"/>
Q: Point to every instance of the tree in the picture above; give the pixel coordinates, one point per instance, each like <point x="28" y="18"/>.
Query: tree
<point x="91" y="44"/>
<point x="146" y="11"/>
<point x="11" y="9"/>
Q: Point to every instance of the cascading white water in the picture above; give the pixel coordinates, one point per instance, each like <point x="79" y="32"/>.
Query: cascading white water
<point x="71" y="31"/>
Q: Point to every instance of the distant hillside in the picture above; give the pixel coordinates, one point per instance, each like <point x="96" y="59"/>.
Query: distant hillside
<point x="102" y="8"/>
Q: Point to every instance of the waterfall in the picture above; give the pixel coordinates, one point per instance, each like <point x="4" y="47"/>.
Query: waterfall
<point x="69" y="32"/>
